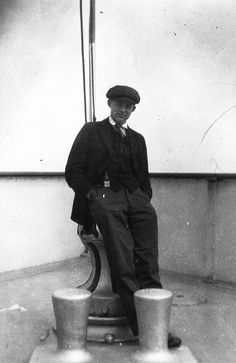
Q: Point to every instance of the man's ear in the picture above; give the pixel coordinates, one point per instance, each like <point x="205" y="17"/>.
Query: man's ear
<point x="109" y="103"/>
<point x="134" y="108"/>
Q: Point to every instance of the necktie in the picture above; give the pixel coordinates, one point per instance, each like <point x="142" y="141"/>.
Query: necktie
<point x="120" y="129"/>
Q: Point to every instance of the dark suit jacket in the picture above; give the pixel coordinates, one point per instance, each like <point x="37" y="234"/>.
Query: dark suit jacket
<point x="87" y="162"/>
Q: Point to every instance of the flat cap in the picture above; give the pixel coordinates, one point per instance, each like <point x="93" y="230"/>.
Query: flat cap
<point x="123" y="92"/>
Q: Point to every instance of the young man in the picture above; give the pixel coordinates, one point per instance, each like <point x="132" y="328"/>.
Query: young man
<point x="108" y="171"/>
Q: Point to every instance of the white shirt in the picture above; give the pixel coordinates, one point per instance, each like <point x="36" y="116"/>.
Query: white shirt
<point x="113" y="123"/>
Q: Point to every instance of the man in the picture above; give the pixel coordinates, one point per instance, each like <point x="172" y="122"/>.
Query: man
<point x="108" y="171"/>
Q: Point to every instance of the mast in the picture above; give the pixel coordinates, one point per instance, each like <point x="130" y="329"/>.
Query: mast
<point x="92" y="61"/>
<point x="83" y="59"/>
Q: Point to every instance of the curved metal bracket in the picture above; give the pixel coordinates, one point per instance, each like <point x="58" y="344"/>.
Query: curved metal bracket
<point x="95" y="274"/>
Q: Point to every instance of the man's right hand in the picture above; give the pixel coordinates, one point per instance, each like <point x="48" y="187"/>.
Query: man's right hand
<point x="81" y="230"/>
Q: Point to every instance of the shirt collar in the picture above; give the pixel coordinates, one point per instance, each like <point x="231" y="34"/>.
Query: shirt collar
<point x="112" y="122"/>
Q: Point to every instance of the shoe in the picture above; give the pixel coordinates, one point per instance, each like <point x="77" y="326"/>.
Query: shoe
<point x="173" y="341"/>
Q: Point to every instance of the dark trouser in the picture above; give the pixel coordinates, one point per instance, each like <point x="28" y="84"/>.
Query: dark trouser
<point x="128" y="224"/>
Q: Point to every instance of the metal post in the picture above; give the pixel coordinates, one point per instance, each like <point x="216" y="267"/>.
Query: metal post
<point x="83" y="60"/>
<point x="153" y="308"/>
<point x="211" y="228"/>
<point x="92" y="60"/>
<point x="71" y="308"/>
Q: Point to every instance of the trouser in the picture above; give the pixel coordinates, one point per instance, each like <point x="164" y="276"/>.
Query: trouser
<point x="128" y="224"/>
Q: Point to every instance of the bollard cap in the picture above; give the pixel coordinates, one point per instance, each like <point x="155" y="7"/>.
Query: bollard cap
<point x="71" y="294"/>
<point x="153" y="294"/>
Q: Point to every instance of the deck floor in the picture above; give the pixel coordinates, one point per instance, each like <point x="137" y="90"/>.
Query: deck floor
<point x="203" y="314"/>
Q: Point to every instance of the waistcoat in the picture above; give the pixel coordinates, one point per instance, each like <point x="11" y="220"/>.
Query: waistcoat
<point x="119" y="168"/>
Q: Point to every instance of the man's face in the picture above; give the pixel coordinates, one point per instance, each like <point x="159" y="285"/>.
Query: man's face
<point x="120" y="110"/>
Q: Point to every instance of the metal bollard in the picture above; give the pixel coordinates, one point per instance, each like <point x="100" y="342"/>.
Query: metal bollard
<point x="107" y="322"/>
<point x="153" y="308"/>
<point x="71" y="309"/>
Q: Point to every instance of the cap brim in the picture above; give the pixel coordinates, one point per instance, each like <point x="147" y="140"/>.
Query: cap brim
<point x="132" y="102"/>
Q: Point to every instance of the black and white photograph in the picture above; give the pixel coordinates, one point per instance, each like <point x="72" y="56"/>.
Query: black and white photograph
<point x="117" y="181"/>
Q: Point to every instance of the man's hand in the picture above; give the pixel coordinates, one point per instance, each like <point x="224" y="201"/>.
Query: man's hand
<point x="79" y="229"/>
<point x="92" y="230"/>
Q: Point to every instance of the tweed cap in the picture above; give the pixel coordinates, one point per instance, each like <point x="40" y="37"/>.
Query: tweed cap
<point x="123" y="92"/>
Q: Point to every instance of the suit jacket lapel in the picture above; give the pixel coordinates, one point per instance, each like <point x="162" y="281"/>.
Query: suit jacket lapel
<point x="105" y="133"/>
<point x="132" y="143"/>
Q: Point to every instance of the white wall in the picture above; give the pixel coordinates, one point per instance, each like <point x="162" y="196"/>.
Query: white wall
<point x="41" y="90"/>
<point x="196" y="226"/>
<point x="180" y="55"/>
<point x="35" y="223"/>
